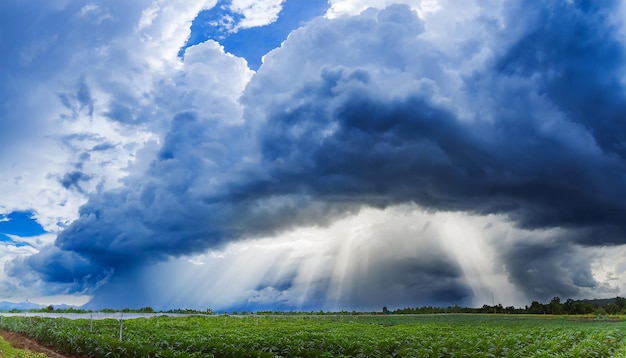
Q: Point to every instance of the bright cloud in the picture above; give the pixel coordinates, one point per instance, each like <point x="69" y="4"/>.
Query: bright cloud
<point x="256" y="13"/>
<point x="355" y="7"/>
<point x="372" y="259"/>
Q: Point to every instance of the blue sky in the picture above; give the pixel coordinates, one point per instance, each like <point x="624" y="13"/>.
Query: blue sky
<point x="383" y="153"/>
<point x="20" y="224"/>
<point x="252" y="43"/>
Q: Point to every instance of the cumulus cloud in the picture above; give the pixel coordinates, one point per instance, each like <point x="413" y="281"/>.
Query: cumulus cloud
<point x="92" y="87"/>
<point x="355" y="7"/>
<point x="256" y="13"/>
<point x="517" y="119"/>
<point x="503" y="147"/>
<point x="59" y="77"/>
<point x="231" y="16"/>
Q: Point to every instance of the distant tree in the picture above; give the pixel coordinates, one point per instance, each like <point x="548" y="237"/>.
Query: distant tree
<point x="50" y="308"/>
<point x="569" y="307"/>
<point x="536" y="308"/>
<point x="555" y="305"/>
<point x="612" y="308"/>
<point x="620" y="302"/>
<point x="585" y="308"/>
<point x="385" y="310"/>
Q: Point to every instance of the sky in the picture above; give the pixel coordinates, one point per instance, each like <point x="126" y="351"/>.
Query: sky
<point x="311" y="155"/>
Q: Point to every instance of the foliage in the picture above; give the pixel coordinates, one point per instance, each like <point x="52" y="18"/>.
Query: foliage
<point x="451" y="335"/>
<point x="51" y="309"/>
<point x="190" y="311"/>
<point x="10" y="352"/>
<point x="611" y="306"/>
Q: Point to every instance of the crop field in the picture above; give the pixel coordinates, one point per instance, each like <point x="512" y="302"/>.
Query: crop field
<point x="329" y="336"/>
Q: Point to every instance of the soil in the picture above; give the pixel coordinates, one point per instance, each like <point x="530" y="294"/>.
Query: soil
<point x="22" y="342"/>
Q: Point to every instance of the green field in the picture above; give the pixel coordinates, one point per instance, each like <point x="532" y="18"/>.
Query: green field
<point x="331" y="336"/>
<point x="7" y="351"/>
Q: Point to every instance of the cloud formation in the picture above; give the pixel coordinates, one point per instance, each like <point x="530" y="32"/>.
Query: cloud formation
<point x="498" y="143"/>
<point x="64" y="75"/>
<point x="256" y="13"/>
<point x="345" y="266"/>
<point x="519" y="120"/>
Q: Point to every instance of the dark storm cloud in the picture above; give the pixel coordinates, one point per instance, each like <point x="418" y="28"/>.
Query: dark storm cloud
<point x="430" y="279"/>
<point x="184" y="204"/>
<point x="382" y="153"/>
<point x="578" y="57"/>
<point x="540" y="166"/>
<point x="548" y="269"/>
<point x="362" y="111"/>
<point x="59" y="267"/>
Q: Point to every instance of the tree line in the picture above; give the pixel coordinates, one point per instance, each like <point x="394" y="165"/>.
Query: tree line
<point x="610" y="306"/>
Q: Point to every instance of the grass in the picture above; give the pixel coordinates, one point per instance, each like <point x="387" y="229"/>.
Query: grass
<point x="9" y="352"/>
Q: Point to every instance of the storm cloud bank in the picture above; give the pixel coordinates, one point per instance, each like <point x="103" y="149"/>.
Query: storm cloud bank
<point x="522" y="136"/>
<point x="523" y="119"/>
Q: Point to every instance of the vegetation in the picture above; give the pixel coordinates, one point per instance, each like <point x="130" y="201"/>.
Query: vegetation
<point x="555" y="306"/>
<point x="610" y="306"/>
<point x="10" y="352"/>
<point x="190" y="311"/>
<point x="380" y="335"/>
<point x="513" y="332"/>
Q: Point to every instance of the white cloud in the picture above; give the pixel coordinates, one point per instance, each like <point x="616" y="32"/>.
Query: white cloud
<point x="214" y="80"/>
<point x="162" y="29"/>
<point x="95" y="12"/>
<point x="35" y="242"/>
<point x="256" y="12"/>
<point x="608" y="265"/>
<point x="450" y="26"/>
<point x="57" y="129"/>
<point x="354" y="7"/>
<point x="74" y="300"/>
<point x="11" y="288"/>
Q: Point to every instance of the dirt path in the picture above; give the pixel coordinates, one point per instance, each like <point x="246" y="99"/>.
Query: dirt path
<point x="22" y="342"/>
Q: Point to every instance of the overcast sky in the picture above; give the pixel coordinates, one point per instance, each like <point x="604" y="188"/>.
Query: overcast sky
<point x="287" y="154"/>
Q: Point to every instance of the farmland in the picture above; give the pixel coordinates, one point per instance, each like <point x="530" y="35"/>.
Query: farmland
<point x="6" y="350"/>
<point x="329" y="336"/>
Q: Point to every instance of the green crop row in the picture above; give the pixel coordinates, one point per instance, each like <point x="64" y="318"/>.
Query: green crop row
<point x="328" y="336"/>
